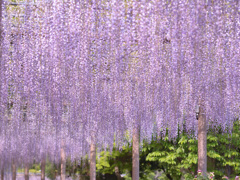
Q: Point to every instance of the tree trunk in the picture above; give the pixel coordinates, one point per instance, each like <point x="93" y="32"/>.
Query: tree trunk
<point x="26" y="171"/>
<point x="2" y="173"/>
<point x="14" y="171"/>
<point x="1" y="39"/>
<point x="1" y="2"/>
<point x="2" y="169"/>
<point x="93" y="161"/>
<point x="202" y="141"/>
<point x="135" y="155"/>
<point x="117" y="173"/>
<point x="63" y="161"/>
<point x="43" y="163"/>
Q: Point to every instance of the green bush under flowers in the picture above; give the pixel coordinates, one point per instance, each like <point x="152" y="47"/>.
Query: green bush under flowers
<point x="176" y="159"/>
<point x="51" y="170"/>
<point x="164" y="159"/>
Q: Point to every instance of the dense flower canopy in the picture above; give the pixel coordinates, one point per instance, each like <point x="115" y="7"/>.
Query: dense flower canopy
<point x="79" y="69"/>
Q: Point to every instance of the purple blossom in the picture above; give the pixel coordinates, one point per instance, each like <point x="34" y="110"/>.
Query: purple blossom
<point x="72" y="71"/>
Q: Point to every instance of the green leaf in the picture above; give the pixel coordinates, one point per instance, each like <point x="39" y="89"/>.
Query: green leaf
<point x="183" y="140"/>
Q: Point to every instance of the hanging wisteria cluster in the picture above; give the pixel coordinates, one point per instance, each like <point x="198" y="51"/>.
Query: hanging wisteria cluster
<point x="77" y="70"/>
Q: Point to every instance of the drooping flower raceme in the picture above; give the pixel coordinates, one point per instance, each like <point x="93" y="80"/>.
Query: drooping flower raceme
<point x="76" y="69"/>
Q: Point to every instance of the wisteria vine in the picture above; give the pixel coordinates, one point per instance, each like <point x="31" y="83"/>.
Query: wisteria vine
<point x="73" y="69"/>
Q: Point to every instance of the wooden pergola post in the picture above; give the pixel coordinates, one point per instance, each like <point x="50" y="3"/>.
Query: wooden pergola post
<point x="202" y="141"/>
<point x="63" y="161"/>
<point x="135" y="154"/>
<point x="2" y="173"/>
<point x="14" y="170"/>
<point x="43" y="164"/>
<point x="26" y="171"/>
<point x="93" y="159"/>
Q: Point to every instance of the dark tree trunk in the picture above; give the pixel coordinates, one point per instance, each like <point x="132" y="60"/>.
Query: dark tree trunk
<point x="43" y="164"/>
<point x="1" y="2"/>
<point x="26" y="171"/>
<point x="2" y="173"/>
<point x="135" y="154"/>
<point x="14" y="171"/>
<point x="202" y="141"/>
<point x="63" y="161"/>
<point x="117" y="173"/>
<point x="93" y="161"/>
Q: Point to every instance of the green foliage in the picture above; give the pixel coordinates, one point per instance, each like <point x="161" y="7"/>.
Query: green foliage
<point x="173" y="159"/>
<point x="121" y="159"/>
<point x="148" y="175"/>
<point x="225" y="153"/>
<point x="36" y="167"/>
<point x="83" y="168"/>
<point x="34" y="171"/>
<point x="179" y="158"/>
<point x="51" y="170"/>
<point x="102" y="161"/>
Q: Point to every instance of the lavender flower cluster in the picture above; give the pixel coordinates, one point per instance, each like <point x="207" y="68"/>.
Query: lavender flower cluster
<point x="81" y="71"/>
